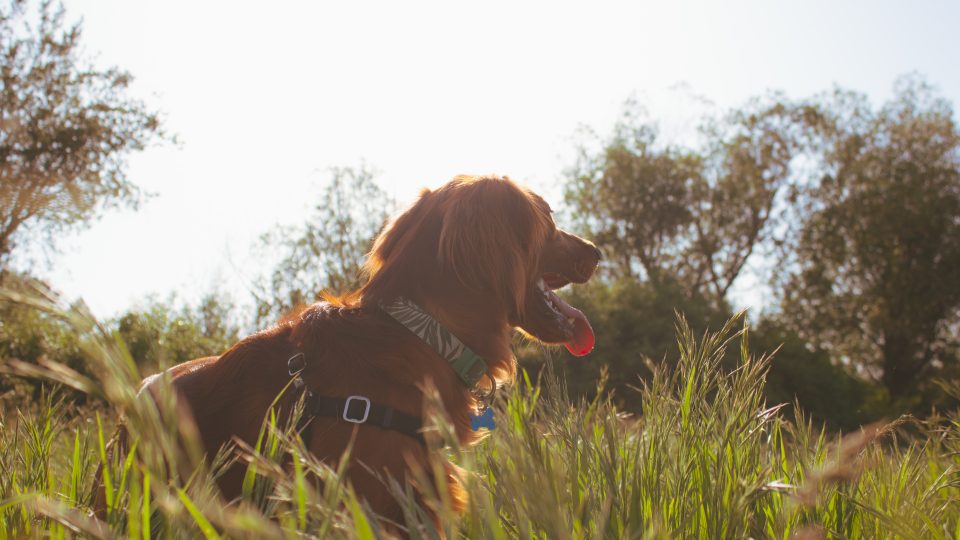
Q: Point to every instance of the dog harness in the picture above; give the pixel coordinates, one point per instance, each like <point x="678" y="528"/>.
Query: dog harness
<point x="468" y="365"/>
<point x="356" y="409"/>
<point x="353" y="409"/>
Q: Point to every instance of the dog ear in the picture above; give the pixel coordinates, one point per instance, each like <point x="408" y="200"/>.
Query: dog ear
<point x="487" y="240"/>
<point x="397" y="235"/>
<point x="399" y="249"/>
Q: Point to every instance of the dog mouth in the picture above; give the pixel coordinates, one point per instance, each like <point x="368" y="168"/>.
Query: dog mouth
<point x="570" y="320"/>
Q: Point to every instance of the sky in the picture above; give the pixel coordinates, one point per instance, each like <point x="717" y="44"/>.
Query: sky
<point x="265" y="97"/>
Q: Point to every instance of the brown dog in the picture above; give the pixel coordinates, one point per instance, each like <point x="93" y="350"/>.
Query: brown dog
<point x="449" y="280"/>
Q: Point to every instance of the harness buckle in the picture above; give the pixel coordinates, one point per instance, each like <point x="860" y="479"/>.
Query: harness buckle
<point x="366" y="410"/>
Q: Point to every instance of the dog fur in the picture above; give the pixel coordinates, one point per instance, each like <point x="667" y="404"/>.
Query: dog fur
<point x="471" y="254"/>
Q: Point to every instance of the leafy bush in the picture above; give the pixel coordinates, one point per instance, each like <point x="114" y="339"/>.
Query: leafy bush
<point x="30" y="335"/>
<point x="808" y="377"/>
<point x="158" y="335"/>
<point x="161" y="334"/>
<point x="632" y="321"/>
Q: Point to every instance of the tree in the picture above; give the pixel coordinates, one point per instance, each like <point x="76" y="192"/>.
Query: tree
<point x="325" y="253"/>
<point x="66" y="129"/>
<point x="690" y="217"/>
<point x="678" y="225"/>
<point x="873" y="271"/>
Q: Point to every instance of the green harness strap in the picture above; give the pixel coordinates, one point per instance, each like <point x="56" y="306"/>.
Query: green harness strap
<point x="468" y="365"/>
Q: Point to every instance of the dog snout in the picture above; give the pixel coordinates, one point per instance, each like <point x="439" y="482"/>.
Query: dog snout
<point x="573" y="257"/>
<point x="590" y="259"/>
<point x="586" y="267"/>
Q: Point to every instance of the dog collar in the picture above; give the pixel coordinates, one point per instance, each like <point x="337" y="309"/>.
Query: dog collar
<point x="468" y="365"/>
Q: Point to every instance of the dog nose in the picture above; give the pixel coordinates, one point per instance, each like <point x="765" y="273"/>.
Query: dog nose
<point x="598" y="252"/>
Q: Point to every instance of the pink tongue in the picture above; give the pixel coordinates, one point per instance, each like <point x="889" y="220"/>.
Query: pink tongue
<point x="583" y="339"/>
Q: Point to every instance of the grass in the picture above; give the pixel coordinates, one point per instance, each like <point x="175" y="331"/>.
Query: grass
<point x="707" y="458"/>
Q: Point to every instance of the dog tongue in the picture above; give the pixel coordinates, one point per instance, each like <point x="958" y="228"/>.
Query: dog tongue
<point x="583" y="339"/>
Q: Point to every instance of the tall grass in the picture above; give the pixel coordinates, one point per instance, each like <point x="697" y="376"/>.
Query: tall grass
<point x="707" y="458"/>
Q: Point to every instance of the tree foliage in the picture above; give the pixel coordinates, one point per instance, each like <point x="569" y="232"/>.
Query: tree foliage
<point x="66" y="128"/>
<point x="856" y="211"/>
<point x="324" y="254"/>
<point x="690" y="216"/>
<point x="873" y="270"/>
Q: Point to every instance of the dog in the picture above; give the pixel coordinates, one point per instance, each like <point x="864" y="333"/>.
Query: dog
<point x="448" y="281"/>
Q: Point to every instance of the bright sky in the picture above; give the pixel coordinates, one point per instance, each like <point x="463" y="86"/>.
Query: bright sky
<point x="265" y="96"/>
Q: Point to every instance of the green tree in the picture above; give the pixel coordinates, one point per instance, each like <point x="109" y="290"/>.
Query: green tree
<point x="872" y="272"/>
<point x="66" y="129"/>
<point x="678" y="226"/>
<point x="667" y="214"/>
<point x="325" y="253"/>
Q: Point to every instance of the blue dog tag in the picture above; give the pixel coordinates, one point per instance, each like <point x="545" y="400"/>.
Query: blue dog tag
<point x="484" y="420"/>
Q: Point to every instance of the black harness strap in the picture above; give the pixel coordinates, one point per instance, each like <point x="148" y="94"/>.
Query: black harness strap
<point x="353" y="409"/>
<point x="360" y="410"/>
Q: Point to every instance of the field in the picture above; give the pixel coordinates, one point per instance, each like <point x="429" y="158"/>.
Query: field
<point x="707" y="458"/>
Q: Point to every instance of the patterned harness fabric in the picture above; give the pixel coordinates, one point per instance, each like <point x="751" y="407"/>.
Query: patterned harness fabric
<point x="470" y="367"/>
<point x="426" y="327"/>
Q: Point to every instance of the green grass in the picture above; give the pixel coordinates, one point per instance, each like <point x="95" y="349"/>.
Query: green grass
<point x="707" y="458"/>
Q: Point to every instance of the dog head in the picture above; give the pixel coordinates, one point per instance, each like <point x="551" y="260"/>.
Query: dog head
<point x="490" y="243"/>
